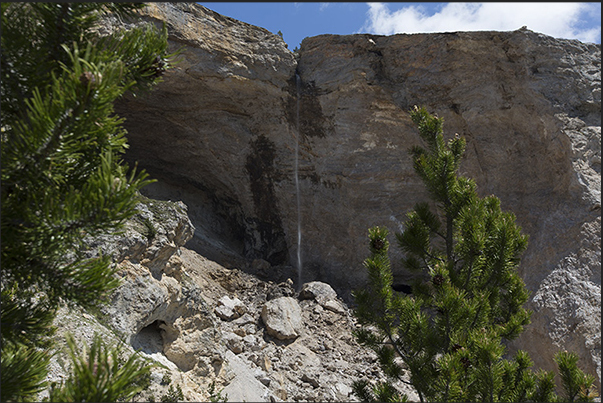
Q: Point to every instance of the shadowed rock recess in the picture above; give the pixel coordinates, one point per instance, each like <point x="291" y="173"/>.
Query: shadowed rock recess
<point x="220" y="132"/>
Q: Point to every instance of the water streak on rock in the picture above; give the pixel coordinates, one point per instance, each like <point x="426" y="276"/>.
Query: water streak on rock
<point x="299" y="261"/>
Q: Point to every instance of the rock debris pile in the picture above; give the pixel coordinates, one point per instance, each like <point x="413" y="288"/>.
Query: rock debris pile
<point x="298" y="345"/>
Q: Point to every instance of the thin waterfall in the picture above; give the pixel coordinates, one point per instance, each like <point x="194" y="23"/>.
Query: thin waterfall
<point x="299" y="261"/>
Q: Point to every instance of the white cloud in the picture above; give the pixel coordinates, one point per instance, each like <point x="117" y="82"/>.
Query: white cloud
<point x="559" y="20"/>
<point x="323" y="6"/>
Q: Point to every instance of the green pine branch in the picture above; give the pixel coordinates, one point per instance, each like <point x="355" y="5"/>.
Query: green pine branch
<point x="62" y="176"/>
<point x="99" y="374"/>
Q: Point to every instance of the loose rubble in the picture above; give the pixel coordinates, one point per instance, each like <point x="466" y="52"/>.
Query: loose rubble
<point x="313" y="357"/>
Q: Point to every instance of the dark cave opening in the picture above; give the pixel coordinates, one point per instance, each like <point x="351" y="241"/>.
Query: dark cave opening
<point x="150" y="338"/>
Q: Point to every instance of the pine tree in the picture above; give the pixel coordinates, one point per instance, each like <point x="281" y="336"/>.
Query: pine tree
<point x="62" y="175"/>
<point x="469" y="300"/>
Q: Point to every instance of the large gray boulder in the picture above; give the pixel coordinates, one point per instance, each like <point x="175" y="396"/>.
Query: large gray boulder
<point x="282" y="317"/>
<point x="322" y="293"/>
<point x="317" y="290"/>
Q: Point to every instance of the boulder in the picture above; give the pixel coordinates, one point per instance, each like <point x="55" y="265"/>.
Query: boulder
<point x="233" y="342"/>
<point x="246" y="319"/>
<point x="334" y="306"/>
<point x="323" y="294"/>
<point x="282" y="317"/>
<point x="312" y="379"/>
<point x="319" y="291"/>
<point x="229" y="308"/>
<point x="244" y="387"/>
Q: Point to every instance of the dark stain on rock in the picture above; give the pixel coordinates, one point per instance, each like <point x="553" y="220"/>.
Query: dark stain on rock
<point x="312" y="121"/>
<point x="378" y="67"/>
<point x="455" y="108"/>
<point x="266" y="237"/>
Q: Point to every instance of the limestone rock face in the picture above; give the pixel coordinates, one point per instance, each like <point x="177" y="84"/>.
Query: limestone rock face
<point x="232" y="83"/>
<point x="151" y="238"/>
<point x="221" y="133"/>
<point x="155" y="309"/>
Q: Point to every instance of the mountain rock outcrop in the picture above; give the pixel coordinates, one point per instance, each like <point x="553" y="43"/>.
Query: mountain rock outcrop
<point x="222" y="130"/>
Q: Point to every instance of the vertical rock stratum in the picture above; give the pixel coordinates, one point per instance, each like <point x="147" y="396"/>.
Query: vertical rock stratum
<point x="220" y="134"/>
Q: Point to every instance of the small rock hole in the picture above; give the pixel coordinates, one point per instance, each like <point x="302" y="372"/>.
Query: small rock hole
<point x="150" y="338"/>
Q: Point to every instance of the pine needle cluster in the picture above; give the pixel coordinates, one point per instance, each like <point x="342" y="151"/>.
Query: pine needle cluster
<point x="447" y="338"/>
<point x="100" y="374"/>
<point x="62" y="174"/>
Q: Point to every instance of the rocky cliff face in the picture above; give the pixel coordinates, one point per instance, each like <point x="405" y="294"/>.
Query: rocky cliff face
<point x="221" y="133"/>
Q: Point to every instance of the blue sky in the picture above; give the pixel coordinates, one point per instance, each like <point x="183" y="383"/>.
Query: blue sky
<point x="302" y="19"/>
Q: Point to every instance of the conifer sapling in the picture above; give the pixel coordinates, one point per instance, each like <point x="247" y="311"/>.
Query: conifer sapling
<point x="467" y="298"/>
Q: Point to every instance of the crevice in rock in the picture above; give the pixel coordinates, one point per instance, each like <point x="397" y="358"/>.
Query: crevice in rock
<point x="150" y="338"/>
